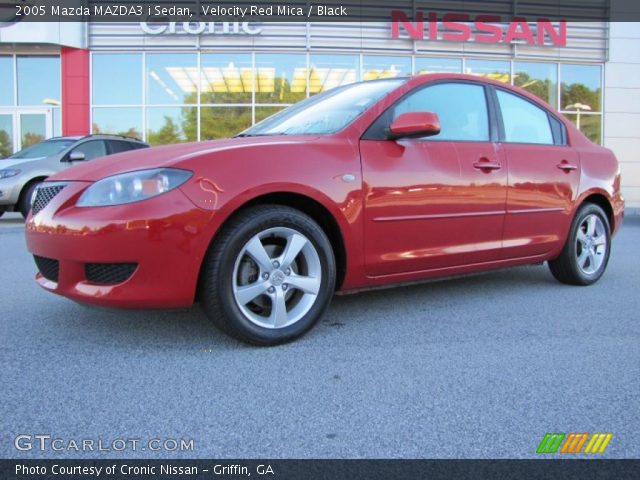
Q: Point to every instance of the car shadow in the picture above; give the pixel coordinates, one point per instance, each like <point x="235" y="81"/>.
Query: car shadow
<point x="190" y="329"/>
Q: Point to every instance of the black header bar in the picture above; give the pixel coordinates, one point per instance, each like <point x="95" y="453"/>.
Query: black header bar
<point x="583" y="469"/>
<point x="12" y="11"/>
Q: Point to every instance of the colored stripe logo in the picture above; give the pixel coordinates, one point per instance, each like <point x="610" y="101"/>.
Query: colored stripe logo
<point x="574" y="443"/>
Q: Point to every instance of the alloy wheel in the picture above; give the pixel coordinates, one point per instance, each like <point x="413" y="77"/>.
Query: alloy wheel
<point x="277" y="277"/>
<point x="591" y="244"/>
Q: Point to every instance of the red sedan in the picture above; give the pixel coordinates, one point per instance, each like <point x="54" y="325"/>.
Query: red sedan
<point x="365" y="185"/>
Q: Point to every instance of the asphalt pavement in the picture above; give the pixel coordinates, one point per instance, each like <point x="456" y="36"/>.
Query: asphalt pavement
<point x="475" y="367"/>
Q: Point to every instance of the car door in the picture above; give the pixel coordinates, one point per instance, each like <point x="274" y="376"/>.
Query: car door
<point x="543" y="176"/>
<point x="436" y="202"/>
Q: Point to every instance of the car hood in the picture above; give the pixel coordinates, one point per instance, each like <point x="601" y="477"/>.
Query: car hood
<point x="168" y="156"/>
<point x="17" y="162"/>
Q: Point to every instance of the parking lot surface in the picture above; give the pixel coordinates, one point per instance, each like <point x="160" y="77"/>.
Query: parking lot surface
<point x="475" y="367"/>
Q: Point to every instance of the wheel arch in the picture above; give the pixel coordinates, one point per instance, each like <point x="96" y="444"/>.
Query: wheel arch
<point x="602" y="200"/>
<point x="307" y="205"/>
<point x="25" y="187"/>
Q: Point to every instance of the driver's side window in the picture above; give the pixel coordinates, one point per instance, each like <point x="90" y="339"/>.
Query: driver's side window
<point x="461" y="108"/>
<point x="91" y="149"/>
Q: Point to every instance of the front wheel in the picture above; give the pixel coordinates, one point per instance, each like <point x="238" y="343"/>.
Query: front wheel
<point x="269" y="275"/>
<point x="25" y="200"/>
<point x="586" y="253"/>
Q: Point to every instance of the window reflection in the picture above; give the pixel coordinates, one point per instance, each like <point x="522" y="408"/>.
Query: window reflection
<point x="266" y="112"/>
<point x="438" y="65"/>
<point x="281" y="78"/>
<point x="6" y="135"/>
<point x="493" y="69"/>
<point x="581" y="87"/>
<point x="57" y="121"/>
<point x="330" y="71"/>
<point x="167" y="125"/>
<point x="119" y="121"/>
<point x="461" y="108"/>
<point x="378" y="66"/>
<point x="523" y="121"/>
<point x="226" y="78"/>
<point x="33" y="129"/>
<point x="172" y="78"/>
<point x="590" y="125"/>
<point x="540" y="79"/>
<point x="117" y="79"/>
<point x="38" y="80"/>
<point x="6" y="81"/>
<point x="223" y="122"/>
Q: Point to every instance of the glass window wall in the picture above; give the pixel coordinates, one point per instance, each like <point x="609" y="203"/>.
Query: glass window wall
<point x="231" y="91"/>
<point x="38" y="80"/>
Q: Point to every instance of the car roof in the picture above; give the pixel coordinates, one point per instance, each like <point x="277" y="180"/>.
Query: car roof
<point x="105" y="136"/>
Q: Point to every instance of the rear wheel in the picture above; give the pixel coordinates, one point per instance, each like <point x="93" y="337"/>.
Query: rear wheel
<point x="586" y="253"/>
<point x="269" y="275"/>
<point x="25" y="200"/>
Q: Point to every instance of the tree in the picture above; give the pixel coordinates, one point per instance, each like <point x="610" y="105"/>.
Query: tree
<point x="580" y="93"/>
<point x="131" y="132"/>
<point x="6" y="147"/>
<point x="541" y="88"/>
<point x="167" y="134"/>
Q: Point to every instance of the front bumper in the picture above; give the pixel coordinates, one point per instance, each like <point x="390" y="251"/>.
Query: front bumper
<point x="10" y="191"/>
<point x="166" y="237"/>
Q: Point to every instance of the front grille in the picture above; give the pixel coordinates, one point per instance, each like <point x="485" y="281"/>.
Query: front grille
<point x="109" y="273"/>
<point x="49" y="268"/>
<point x="44" y="194"/>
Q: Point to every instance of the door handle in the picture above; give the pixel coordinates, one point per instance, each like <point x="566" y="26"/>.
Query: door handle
<point x="566" y="166"/>
<point x="485" y="164"/>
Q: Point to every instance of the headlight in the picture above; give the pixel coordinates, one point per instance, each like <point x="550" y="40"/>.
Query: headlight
<point x="132" y="187"/>
<point x="9" y="173"/>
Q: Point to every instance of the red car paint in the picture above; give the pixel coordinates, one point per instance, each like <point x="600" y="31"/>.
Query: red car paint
<point x="407" y="215"/>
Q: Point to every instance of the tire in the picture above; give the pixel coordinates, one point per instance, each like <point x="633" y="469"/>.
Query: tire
<point x="244" y="288"/>
<point x="25" y="200"/>
<point x="585" y="256"/>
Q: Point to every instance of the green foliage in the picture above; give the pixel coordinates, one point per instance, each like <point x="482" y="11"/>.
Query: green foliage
<point x="6" y="147"/>
<point x="541" y="88"/>
<point x="131" y="132"/>
<point x="579" y="93"/>
<point x="223" y="122"/>
<point x="167" y="134"/>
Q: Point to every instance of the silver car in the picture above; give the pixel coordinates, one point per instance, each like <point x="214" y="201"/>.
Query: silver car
<point x="21" y="173"/>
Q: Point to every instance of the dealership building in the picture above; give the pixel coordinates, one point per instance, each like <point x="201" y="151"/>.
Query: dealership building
<point x="176" y="82"/>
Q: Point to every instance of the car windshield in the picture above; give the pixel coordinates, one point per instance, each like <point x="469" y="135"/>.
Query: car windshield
<point x="44" y="149"/>
<point x="325" y="113"/>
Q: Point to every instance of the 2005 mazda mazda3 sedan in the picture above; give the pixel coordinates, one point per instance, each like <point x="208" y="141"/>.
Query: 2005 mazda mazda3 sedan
<point x="365" y="185"/>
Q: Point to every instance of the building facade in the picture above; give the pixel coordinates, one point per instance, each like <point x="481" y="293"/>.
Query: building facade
<point x="187" y="82"/>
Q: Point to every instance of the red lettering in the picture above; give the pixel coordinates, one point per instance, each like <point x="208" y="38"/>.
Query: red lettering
<point x="558" y="38"/>
<point x="433" y="26"/>
<point x="488" y="29"/>
<point x="493" y="32"/>
<point x="415" y="31"/>
<point x="519" y="29"/>
<point x="451" y="22"/>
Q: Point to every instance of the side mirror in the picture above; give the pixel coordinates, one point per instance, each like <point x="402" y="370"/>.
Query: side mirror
<point x="415" y="125"/>
<point x="76" y="156"/>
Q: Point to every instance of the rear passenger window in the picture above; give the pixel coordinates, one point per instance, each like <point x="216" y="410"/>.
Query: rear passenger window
<point x="118" y="146"/>
<point x="461" y="108"/>
<point x="523" y="121"/>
